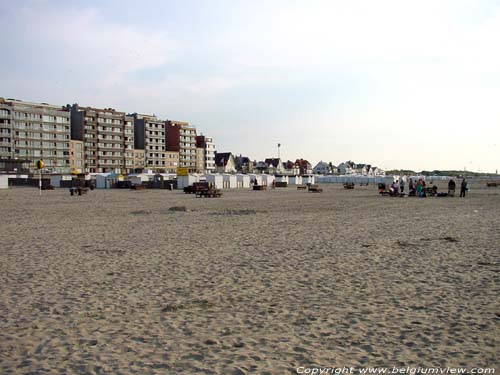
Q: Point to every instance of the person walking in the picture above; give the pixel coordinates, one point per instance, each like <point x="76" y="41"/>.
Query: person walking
<point x="402" y="185"/>
<point x="463" y="188"/>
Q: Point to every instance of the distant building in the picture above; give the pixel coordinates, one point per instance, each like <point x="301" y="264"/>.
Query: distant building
<point x="34" y="131"/>
<point x="181" y="137"/>
<point x="322" y="168"/>
<point x="77" y="156"/>
<point x="150" y="136"/>
<point x="16" y="165"/>
<point x="346" y="167"/>
<point x="304" y="166"/>
<point x="334" y="169"/>
<point x="108" y="137"/>
<point x="171" y="161"/>
<point x="350" y="167"/>
<point x="291" y="168"/>
<point x="208" y="146"/>
<point x="244" y="164"/>
<point x="224" y="162"/>
<point x="274" y="166"/>
<point x="139" y="160"/>
<point x="200" y="160"/>
<point x="261" y="167"/>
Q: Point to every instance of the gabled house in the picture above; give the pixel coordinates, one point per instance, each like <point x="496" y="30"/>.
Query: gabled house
<point x="291" y="168"/>
<point x="375" y="171"/>
<point x="243" y="164"/>
<point x="261" y="167"/>
<point x="322" y="168"/>
<point x="274" y="166"/>
<point x="224" y="162"/>
<point x="346" y="167"/>
<point x="361" y="169"/>
<point x="333" y="168"/>
<point x="304" y="166"/>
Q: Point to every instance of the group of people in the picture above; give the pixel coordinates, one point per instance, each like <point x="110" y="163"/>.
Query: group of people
<point x="452" y="186"/>
<point x="418" y="188"/>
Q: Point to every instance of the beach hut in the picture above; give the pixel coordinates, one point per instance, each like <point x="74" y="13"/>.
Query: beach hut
<point x="308" y="179"/>
<point x="215" y="180"/>
<point x="135" y="178"/>
<point x="4" y="182"/>
<point x="100" y="180"/>
<point x="258" y="177"/>
<point x="55" y="180"/>
<point x="295" y="180"/>
<point x="243" y="180"/>
<point x="281" y="178"/>
<point x="107" y="180"/>
<point x="229" y="181"/>
<point x="185" y="181"/>
<point x="267" y="179"/>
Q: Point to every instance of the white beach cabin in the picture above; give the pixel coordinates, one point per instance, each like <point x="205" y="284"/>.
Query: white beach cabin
<point x="308" y="179"/>
<point x="107" y="180"/>
<point x="4" y="182"/>
<point x="215" y="180"/>
<point x="229" y="181"/>
<point x="184" y="181"/>
<point x="257" y="177"/>
<point x="243" y="180"/>
<point x="294" y="180"/>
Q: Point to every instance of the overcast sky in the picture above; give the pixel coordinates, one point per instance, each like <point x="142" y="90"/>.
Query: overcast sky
<point x="398" y="84"/>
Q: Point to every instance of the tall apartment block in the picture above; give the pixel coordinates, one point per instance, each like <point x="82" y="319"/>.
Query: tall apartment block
<point x="150" y="136"/>
<point x="208" y="147"/>
<point x="108" y="137"/>
<point x="33" y="131"/>
<point x="181" y="137"/>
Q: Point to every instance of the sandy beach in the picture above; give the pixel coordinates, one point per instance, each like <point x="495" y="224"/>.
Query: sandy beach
<point x="114" y="282"/>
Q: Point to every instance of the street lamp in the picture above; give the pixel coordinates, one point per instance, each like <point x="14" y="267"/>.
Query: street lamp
<point x="279" y="145"/>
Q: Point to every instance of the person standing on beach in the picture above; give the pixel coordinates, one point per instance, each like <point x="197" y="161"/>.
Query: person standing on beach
<point x="451" y="188"/>
<point x="463" y="188"/>
<point x="402" y="186"/>
<point x="419" y="186"/>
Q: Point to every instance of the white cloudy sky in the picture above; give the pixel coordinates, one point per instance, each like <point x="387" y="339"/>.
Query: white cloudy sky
<point x="399" y="84"/>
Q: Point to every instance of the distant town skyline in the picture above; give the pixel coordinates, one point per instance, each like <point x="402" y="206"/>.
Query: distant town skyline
<point x="395" y="84"/>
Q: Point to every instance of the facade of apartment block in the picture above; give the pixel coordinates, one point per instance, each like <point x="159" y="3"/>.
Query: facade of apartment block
<point x="171" y="161"/>
<point x="34" y="131"/>
<point x="76" y="156"/>
<point x="208" y="147"/>
<point x="150" y="136"/>
<point x="139" y="160"/>
<point x="200" y="160"/>
<point x="108" y="137"/>
<point x="181" y="137"/>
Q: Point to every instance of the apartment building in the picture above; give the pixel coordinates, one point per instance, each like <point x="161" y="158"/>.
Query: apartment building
<point x="150" y="136"/>
<point x="139" y="160"/>
<point x="76" y="156"/>
<point x="108" y="137"/>
<point x="181" y="137"/>
<point x="34" y="131"/>
<point x="171" y="161"/>
<point x="208" y="147"/>
<point x="200" y="160"/>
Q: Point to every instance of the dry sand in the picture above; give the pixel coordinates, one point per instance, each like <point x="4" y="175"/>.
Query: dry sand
<point x="113" y="282"/>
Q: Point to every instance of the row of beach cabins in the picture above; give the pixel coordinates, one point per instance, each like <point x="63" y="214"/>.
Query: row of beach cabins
<point x="173" y="181"/>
